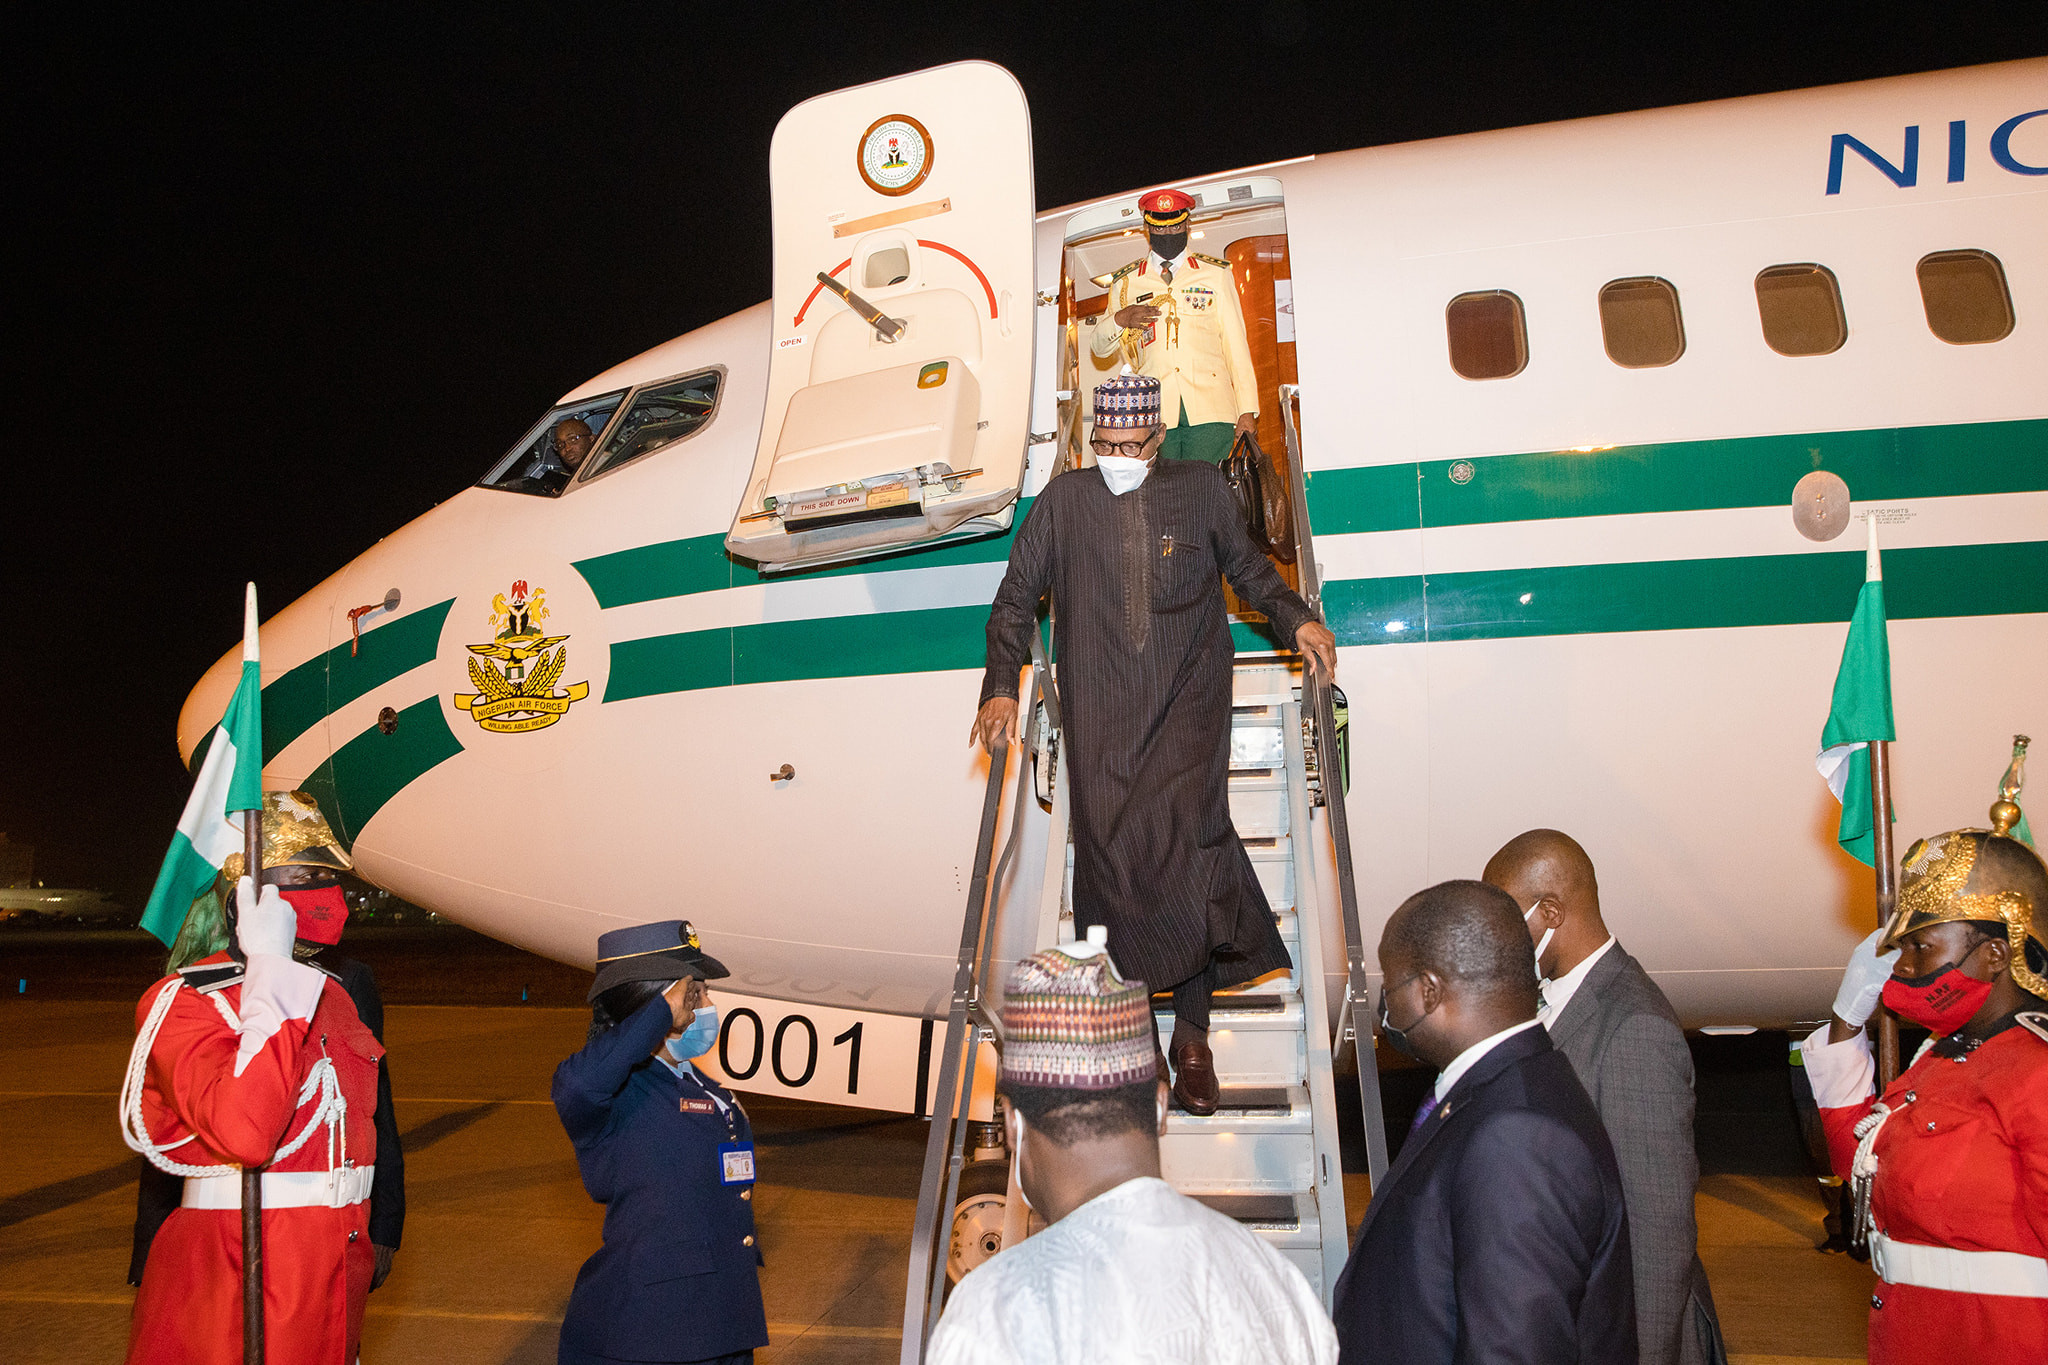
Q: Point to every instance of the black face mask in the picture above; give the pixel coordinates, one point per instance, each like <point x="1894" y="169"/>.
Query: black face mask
<point x="1398" y="1037"/>
<point x="1169" y="245"/>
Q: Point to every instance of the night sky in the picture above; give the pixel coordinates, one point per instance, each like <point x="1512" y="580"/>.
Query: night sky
<point x="283" y="281"/>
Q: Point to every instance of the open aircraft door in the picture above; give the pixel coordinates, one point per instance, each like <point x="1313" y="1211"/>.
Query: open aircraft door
<point x="899" y="379"/>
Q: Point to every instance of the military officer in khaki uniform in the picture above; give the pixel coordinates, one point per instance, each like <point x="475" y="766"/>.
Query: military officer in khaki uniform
<point x="1176" y="318"/>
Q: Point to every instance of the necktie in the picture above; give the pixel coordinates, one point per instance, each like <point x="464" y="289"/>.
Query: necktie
<point x="1428" y="1108"/>
<point x="1166" y="272"/>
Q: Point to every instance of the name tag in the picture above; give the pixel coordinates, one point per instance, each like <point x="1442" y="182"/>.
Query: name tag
<point x="699" y="1107"/>
<point x="736" y="1162"/>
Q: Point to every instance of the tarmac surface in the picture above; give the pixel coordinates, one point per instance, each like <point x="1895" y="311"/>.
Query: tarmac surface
<point x="498" y="1223"/>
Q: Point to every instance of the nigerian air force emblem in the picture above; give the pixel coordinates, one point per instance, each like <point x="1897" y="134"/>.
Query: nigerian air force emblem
<point x="517" y="672"/>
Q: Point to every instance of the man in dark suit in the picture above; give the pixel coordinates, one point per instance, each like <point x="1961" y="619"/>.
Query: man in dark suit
<point x="1623" y="1039"/>
<point x="1499" y="1233"/>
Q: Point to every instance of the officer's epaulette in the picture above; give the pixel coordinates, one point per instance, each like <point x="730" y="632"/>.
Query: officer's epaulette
<point x="208" y="977"/>
<point x="1216" y="261"/>
<point x="1118" y="274"/>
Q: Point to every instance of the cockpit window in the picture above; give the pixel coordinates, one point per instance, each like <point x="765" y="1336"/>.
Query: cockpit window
<point x="658" y="416"/>
<point x="548" y="456"/>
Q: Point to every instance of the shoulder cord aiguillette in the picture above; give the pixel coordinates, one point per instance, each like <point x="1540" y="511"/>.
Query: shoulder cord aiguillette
<point x="320" y="1081"/>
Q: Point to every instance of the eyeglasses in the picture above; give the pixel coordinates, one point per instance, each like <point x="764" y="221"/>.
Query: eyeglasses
<point x="1130" y="450"/>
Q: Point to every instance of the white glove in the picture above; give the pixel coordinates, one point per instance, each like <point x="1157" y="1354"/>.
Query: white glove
<point x="1863" y="981"/>
<point x="264" y="923"/>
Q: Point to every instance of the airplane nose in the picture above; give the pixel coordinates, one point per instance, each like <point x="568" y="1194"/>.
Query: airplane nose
<point x="292" y="640"/>
<point x="207" y="702"/>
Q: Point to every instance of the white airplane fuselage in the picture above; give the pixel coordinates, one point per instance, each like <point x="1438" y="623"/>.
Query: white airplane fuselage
<point x="1573" y="598"/>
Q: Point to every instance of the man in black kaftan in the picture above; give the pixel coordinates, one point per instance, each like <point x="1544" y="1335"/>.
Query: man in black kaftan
<point x="1132" y="552"/>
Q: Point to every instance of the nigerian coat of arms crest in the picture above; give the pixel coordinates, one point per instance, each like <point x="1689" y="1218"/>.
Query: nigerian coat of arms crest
<point x="517" y="672"/>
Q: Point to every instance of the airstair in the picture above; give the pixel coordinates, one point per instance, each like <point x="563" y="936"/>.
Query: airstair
<point x="1269" y="1156"/>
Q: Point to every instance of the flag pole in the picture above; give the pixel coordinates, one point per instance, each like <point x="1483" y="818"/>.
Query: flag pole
<point x="1884" y="869"/>
<point x="1887" y="881"/>
<point x="252" y="1179"/>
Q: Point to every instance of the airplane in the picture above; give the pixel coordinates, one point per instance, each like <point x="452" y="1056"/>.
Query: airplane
<point x="706" y="641"/>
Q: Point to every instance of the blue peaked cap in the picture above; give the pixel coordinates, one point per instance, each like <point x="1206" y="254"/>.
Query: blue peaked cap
<point x="666" y="950"/>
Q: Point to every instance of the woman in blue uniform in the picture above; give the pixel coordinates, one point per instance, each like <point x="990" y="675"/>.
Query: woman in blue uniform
<point x="670" y="1155"/>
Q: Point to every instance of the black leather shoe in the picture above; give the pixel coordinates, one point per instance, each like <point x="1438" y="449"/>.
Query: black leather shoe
<point x="1194" y="1079"/>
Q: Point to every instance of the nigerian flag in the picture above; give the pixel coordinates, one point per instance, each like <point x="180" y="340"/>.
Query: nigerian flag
<point x="230" y="781"/>
<point x="1861" y="712"/>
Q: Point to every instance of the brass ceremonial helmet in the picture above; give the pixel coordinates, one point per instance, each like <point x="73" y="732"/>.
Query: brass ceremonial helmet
<point x="1984" y="875"/>
<point x="294" y="831"/>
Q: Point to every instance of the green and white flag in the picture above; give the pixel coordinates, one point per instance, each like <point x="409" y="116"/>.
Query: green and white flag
<point x="230" y="781"/>
<point x="1861" y="712"/>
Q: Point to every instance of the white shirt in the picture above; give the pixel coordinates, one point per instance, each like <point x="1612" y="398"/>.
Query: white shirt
<point x="1136" y="1274"/>
<point x="1553" y="996"/>
<point x="1465" y="1060"/>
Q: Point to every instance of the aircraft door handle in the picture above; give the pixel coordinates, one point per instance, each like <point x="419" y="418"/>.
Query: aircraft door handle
<point x="782" y="774"/>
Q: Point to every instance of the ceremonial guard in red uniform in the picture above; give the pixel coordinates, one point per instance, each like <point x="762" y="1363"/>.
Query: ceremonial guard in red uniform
<point x="249" y="1057"/>
<point x="1949" y="1167"/>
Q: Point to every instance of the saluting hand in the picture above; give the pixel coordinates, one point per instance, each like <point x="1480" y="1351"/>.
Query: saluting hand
<point x="680" y="1010"/>
<point x="995" y="723"/>
<point x="1318" y="646"/>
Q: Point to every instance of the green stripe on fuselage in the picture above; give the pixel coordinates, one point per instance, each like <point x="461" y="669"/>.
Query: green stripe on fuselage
<point x="1887" y="465"/>
<point x="1685" y="594"/>
<point x="678" y="568"/>
<point x="302" y="698"/>
<point x="365" y="773"/>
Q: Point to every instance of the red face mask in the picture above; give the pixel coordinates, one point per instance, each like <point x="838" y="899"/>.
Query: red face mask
<point x="321" y="910"/>
<point x="1940" y="1001"/>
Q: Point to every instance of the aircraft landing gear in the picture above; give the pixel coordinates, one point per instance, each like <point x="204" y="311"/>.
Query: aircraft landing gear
<point x="977" y="1224"/>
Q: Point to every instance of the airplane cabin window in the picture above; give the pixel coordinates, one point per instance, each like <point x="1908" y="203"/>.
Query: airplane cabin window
<point x="1801" y="309"/>
<point x="1488" y="335"/>
<point x="1639" y="322"/>
<point x="659" y="415"/>
<point x="1965" y="297"/>
<point x="548" y="456"/>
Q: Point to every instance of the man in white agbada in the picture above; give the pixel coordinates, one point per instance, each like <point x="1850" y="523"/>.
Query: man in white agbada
<point x="1129" y="1270"/>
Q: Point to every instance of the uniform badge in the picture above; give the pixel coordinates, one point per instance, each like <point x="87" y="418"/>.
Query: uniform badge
<point x="516" y="672"/>
<point x="699" y="1107"/>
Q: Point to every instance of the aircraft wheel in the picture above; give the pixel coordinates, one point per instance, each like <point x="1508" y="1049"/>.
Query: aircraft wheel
<point x="977" y="1226"/>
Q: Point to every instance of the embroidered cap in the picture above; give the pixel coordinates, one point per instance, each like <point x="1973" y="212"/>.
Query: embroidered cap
<point x="1071" y="1022"/>
<point x="1166" y="209"/>
<point x="666" y="950"/>
<point x="1127" y="402"/>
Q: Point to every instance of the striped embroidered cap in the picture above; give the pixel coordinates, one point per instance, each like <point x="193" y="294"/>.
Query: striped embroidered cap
<point x="1128" y="401"/>
<point x="1072" y="1023"/>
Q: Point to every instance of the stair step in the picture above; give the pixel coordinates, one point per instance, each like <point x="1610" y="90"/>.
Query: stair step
<point x="1261" y="684"/>
<point x="1258" y="810"/>
<point x="1267" y="1048"/>
<point x="1286" y="1221"/>
<point x="1248" y="1109"/>
<point x="1256" y="741"/>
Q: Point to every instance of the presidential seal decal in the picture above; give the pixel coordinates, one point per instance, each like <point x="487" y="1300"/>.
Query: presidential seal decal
<point x="516" y="673"/>
<point x="895" y="154"/>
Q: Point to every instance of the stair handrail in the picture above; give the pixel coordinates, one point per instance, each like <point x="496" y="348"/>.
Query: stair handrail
<point x="1355" y="1018"/>
<point x="969" y="1021"/>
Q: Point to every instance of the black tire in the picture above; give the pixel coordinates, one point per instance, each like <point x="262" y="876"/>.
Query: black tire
<point x="974" y="1232"/>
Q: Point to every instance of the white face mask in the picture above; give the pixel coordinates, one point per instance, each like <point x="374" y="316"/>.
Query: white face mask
<point x="1541" y="943"/>
<point x="1122" y="473"/>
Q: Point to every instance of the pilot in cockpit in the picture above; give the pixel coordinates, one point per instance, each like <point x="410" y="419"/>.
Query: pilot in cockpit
<point x="551" y="467"/>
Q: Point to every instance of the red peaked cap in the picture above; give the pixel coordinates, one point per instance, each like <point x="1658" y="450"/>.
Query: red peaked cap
<point x="1166" y="208"/>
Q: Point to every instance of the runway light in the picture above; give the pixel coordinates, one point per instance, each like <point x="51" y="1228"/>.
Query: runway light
<point x="1396" y="627"/>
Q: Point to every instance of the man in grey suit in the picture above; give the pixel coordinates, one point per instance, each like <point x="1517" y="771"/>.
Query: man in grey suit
<point x="1623" y="1039"/>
